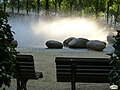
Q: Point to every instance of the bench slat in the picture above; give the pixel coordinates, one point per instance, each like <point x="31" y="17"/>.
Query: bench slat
<point x="26" y="67"/>
<point x="93" y="66"/>
<point x="25" y="63"/>
<point x="93" y="70"/>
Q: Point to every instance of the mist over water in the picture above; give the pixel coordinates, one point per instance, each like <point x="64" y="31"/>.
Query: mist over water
<point x="33" y="32"/>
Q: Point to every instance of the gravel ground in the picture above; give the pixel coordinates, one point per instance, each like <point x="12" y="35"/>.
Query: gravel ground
<point x="45" y="62"/>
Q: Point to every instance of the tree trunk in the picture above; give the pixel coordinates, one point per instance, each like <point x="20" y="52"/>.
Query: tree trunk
<point x="59" y="6"/>
<point x="4" y="5"/>
<point x="59" y="2"/>
<point x="111" y="20"/>
<point x="116" y="17"/>
<point x="97" y="9"/>
<point x="55" y="6"/>
<point x="71" y="5"/>
<point x="18" y="6"/>
<point x="70" y="9"/>
<point x="12" y="9"/>
<point x="27" y="7"/>
<point x="38" y="7"/>
<point x="81" y="6"/>
<point x="108" y="5"/>
<point x="47" y="7"/>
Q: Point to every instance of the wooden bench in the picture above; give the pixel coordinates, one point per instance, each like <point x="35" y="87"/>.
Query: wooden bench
<point x="25" y="70"/>
<point x="89" y="70"/>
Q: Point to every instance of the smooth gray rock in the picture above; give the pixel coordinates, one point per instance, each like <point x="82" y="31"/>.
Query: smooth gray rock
<point x="66" y="41"/>
<point x="54" y="44"/>
<point x="14" y="43"/>
<point x="109" y="48"/>
<point x="78" y="43"/>
<point x="96" y="45"/>
<point x="111" y="38"/>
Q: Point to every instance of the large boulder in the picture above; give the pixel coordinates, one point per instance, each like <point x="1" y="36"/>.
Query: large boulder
<point x="78" y="43"/>
<point x="96" y="45"/>
<point x="109" y="48"/>
<point x="54" y="44"/>
<point x="14" y="43"/>
<point x="111" y="38"/>
<point x="66" y="41"/>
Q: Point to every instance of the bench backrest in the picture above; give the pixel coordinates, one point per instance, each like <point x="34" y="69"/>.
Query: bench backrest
<point x="94" y="70"/>
<point x="25" y="66"/>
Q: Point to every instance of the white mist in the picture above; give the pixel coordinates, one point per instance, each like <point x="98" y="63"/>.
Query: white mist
<point x="30" y="32"/>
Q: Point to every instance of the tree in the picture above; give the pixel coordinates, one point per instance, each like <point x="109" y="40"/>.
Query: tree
<point x="7" y="57"/>
<point x="4" y="5"/>
<point x="13" y="5"/>
<point x="38" y="7"/>
<point x="71" y="6"/>
<point x="27" y="8"/>
<point x="47" y="7"/>
<point x="59" y="4"/>
<point x="81" y="6"/>
<point x="29" y="4"/>
<point x="55" y="5"/>
<point x="18" y="5"/>
<point x="108" y="4"/>
<point x="117" y="2"/>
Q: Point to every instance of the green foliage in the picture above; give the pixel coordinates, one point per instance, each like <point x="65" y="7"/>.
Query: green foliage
<point x="78" y="7"/>
<point x="114" y="75"/>
<point x="7" y="57"/>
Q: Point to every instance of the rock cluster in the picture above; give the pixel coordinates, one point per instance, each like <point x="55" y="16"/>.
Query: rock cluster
<point x="81" y="43"/>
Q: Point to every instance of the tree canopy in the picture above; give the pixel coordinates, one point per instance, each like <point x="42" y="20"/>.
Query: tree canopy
<point x="82" y="8"/>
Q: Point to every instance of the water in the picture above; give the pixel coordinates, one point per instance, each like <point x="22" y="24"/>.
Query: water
<point x="33" y="32"/>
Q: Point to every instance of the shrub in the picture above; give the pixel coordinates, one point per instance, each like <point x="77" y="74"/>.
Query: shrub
<point x="114" y="75"/>
<point x="7" y="57"/>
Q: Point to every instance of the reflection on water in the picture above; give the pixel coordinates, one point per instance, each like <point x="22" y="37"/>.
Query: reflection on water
<point x="30" y="32"/>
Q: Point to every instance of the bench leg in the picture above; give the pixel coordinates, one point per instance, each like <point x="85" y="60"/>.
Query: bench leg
<point x="23" y="84"/>
<point x="18" y="84"/>
<point x="73" y="87"/>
